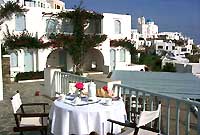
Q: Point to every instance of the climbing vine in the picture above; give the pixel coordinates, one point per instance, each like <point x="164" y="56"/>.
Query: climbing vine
<point x="125" y="43"/>
<point x="78" y="43"/>
<point x="23" y="40"/>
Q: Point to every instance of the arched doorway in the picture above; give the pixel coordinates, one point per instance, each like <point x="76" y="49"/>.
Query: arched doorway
<point x="93" y="61"/>
<point x="60" y="58"/>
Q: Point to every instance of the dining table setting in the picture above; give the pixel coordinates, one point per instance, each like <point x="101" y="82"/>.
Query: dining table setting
<point x="80" y="114"/>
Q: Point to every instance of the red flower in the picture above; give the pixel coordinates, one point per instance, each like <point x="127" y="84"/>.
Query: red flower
<point x="105" y="88"/>
<point x="79" y="85"/>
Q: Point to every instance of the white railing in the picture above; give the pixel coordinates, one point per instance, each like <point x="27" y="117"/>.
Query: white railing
<point x="176" y="115"/>
<point x="61" y="81"/>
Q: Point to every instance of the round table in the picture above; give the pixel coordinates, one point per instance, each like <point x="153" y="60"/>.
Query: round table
<point x="81" y="120"/>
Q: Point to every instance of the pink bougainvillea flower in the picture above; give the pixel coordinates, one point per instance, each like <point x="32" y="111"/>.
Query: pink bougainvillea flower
<point x="79" y="85"/>
<point x="105" y="88"/>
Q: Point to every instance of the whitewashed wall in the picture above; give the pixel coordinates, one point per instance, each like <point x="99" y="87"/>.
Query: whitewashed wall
<point x="36" y="23"/>
<point x="108" y="28"/>
<point x="42" y="58"/>
<point x="108" y="25"/>
<point x="1" y="80"/>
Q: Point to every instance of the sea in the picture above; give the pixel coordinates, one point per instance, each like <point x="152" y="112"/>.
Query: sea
<point x="182" y="85"/>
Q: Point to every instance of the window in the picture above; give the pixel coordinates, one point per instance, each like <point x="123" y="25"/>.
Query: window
<point x="166" y="47"/>
<point x="183" y="49"/>
<point x="58" y="7"/>
<point x="20" y="23"/>
<point x="160" y="47"/>
<point x="122" y="55"/>
<point x="13" y="59"/>
<point x="51" y="25"/>
<point x="67" y="26"/>
<point x="117" y="27"/>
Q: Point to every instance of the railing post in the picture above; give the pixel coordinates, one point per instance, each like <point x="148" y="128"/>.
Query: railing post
<point x="151" y="106"/>
<point x="136" y="101"/>
<point x="159" y="118"/>
<point x="168" y="117"/>
<point x="49" y="78"/>
<point x="198" y="121"/>
<point x="67" y="83"/>
<point x="187" y="120"/>
<point x="130" y="104"/>
<point x="177" y="116"/>
<point x="144" y="101"/>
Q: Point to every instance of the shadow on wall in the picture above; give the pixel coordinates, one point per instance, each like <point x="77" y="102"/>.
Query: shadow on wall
<point x="60" y="58"/>
<point x="94" y="60"/>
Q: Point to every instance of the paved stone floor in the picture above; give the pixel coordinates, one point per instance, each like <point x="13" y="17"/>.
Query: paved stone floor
<point x="27" y="92"/>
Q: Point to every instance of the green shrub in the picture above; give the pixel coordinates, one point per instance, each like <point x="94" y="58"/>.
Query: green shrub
<point x="29" y="76"/>
<point x="169" y="67"/>
<point x="152" y="61"/>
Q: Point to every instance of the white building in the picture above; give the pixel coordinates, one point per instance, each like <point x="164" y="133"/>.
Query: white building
<point x="105" y="58"/>
<point x="169" y="46"/>
<point x="182" y="50"/>
<point x="171" y="35"/>
<point x="115" y="26"/>
<point x="147" y="29"/>
<point x="161" y="46"/>
<point x="28" y="60"/>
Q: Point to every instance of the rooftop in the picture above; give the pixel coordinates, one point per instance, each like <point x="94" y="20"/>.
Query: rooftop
<point x="182" y="85"/>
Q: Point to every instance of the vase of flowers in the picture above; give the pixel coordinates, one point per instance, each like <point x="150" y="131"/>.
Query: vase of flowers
<point x="107" y="91"/>
<point x="79" y="86"/>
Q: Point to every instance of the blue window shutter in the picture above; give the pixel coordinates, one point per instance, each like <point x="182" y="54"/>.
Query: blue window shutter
<point x="20" y="22"/>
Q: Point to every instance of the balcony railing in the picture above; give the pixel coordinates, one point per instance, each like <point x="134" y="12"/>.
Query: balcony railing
<point x="61" y="81"/>
<point x="177" y="117"/>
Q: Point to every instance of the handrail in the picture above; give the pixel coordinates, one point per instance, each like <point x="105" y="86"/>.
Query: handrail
<point x="124" y="90"/>
<point x="62" y="80"/>
<point x="160" y="95"/>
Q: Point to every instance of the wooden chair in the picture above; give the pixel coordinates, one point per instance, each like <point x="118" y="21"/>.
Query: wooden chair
<point x="29" y="121"/>
<point x="140" y="128"/>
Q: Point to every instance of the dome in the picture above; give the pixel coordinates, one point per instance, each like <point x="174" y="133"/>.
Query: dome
<point x="149" y="20"/>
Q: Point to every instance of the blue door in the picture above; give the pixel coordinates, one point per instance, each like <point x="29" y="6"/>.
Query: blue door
<point x="63" y="59"/>
<point x="28" y="62"/>
<point x="112" y="59"/>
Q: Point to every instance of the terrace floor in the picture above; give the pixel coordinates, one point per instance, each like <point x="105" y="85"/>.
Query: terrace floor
<point x="27" y="92"/>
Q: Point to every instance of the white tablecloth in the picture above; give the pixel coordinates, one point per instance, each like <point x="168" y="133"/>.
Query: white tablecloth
<point x="81" y="120"/>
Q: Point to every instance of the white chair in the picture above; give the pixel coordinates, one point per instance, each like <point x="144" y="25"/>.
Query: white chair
<point x="140" y="127"/>
<point x="28" y="121"/>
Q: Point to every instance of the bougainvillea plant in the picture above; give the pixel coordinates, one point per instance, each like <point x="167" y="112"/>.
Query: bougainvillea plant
<point x="23" y="40"/>
<point x="78" y="43"/>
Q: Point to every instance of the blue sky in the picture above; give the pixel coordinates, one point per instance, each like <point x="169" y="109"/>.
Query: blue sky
<point x="170" y="15"/>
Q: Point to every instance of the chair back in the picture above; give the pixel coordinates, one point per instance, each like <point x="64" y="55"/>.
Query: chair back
<point x="148" y="116"/>
<point x="16" y="102"/>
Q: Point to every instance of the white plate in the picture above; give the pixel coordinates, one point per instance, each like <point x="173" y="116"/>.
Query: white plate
<point x="106" y="104"/>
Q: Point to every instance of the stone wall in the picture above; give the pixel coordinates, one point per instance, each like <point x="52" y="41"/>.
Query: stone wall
<point x="6" y="69"/>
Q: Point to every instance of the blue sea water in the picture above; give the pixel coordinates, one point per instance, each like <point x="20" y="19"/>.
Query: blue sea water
<point x="182" y="85"/>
